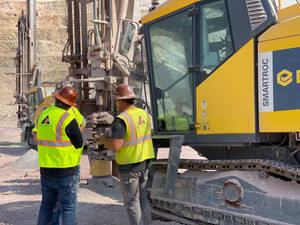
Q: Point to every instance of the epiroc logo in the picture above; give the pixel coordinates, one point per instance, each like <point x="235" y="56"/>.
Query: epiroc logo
<point x="279" y="80"/>
<point x="285" y="77"/>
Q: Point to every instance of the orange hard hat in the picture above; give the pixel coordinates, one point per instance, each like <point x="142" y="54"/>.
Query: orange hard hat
<point x="67" y="95"/>
<point x="124" y="91"/>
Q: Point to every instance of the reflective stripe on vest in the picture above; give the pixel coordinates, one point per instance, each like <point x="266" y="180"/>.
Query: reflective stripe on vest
<point x="133" y="139"/>
<point x="79" y="118"/>
<point x="137" y="145"/>
<point x="54" y="143"/>
<point x="58" y="131"/>
<point x="54" y="146"/>
<point x="83" y="122"/>
<point x="131" y="126"/>
<point x="60" y="125"/>
<point x="138" y="140"/>
<point x="74" y="113"/>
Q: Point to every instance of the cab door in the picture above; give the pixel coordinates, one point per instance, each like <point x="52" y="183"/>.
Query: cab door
<point x="214" y="46"/>
<point x="171" y="46"/>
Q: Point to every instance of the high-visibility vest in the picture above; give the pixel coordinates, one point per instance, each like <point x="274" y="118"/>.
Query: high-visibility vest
<point x="54" y="146"/>
<point x="78" y="116"/>
<point x="137" y="145"/>
<point x="72" y="110"/>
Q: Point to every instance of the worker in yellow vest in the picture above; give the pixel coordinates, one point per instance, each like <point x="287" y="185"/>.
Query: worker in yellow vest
<point x="81" y="122"/>
<point x="78" y="116"/>
<point x="72" y="110"/>
<point x="57" y="212"/>
<point x="60" y="145"/>
<point x="131" y="141"/>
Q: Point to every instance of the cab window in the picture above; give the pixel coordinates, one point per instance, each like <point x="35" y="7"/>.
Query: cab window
<point x="216" y="43"/>
<point x="171" y="41"/>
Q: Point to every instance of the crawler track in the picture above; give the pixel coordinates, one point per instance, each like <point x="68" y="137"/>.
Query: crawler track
<point x="195" y="214"/>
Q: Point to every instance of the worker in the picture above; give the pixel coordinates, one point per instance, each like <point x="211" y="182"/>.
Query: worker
<point x="60" y="145"/>
<point x="79" y="117"/>
<point x="131" y="141"/>
<point x="81" y="122"/>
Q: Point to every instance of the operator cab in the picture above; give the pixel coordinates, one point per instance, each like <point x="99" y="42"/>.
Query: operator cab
<point x="187" y="41"/>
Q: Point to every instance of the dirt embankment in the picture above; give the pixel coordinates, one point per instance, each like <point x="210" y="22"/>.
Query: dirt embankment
<point x="51" y="35"/>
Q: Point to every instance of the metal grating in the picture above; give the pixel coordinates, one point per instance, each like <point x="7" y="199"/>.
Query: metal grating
<point x="256" y="12"/>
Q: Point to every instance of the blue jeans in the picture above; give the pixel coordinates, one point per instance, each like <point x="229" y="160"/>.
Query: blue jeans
<point x="63" y="189"/>
<point x="56" y="214"/>
<point x="57" y="209"/>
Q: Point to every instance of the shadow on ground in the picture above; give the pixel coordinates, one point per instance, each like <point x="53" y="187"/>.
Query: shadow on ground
<point x="9" y="143"/>
<point x="99" y="186"/>
<point x="26" y="213"/>
<point x="21" y="187"/>
<point x="12" y="148"/>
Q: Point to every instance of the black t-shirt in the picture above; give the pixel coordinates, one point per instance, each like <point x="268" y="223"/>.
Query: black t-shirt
<point x="118" y="130"/>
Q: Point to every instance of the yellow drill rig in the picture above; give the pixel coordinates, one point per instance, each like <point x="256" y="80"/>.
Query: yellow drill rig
<point x="225" y="79"/>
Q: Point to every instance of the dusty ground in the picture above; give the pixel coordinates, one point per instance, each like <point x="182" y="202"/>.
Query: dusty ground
<point x="20" y="193"/>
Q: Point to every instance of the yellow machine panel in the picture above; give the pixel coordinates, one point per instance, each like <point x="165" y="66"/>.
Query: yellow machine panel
<point x="279" y="44"/>
<point x="283" y="29"/>
<point x="225" y="101"/>
<point x="281" y="121"/>
<point x="289" y="12"/>
<point x="279" y="74"/>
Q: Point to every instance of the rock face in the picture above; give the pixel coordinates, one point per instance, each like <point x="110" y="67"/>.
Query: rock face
<point x="51" y="38"/>
<point x="51" y="34"/>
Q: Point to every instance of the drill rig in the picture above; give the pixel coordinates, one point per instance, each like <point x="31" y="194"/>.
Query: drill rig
<point x="31" y="92"/>
<point x="103" y="50"/>
<point x="224" y="80"/>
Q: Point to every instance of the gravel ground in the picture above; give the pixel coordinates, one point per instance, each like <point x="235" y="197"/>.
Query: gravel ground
<point x="20" y="194"/>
